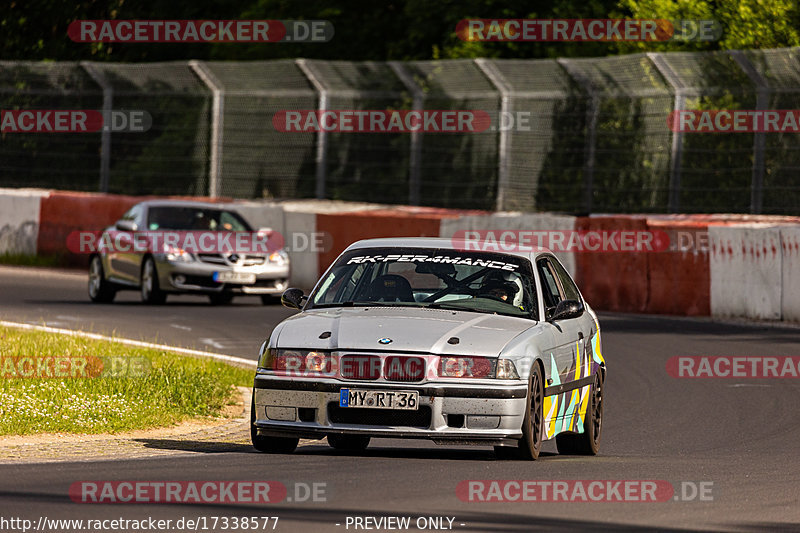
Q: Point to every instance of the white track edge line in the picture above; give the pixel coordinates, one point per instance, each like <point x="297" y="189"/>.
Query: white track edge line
<point x="130" y="342"/>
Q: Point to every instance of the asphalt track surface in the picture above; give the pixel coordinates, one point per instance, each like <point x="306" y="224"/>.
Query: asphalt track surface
<point x="743" y="436"/>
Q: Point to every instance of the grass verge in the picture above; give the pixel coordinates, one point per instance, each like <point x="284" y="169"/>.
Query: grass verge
<point x="15" y="259"/>
<point x="109" y="387"/>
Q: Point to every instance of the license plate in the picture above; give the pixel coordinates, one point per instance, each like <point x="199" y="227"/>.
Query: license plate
<point x="379" y="399"/>
<point x="245" y="278"/>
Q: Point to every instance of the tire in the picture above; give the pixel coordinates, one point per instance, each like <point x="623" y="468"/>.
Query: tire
<point x="100" y="290"/>
<point x="268" y="444"/>
<point x="151" y="293"/>
<point x="220" y="298"/>
<point x="270" y="299"/>
<point x="588" y="442"/>
<point x="529" y="446"/>
<point x="348" y="443"/>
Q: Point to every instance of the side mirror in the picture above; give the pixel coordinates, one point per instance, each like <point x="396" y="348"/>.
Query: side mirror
<point x="567" y="309"/>
<point x="293" y="298"/>
<point x="126" y="225"/>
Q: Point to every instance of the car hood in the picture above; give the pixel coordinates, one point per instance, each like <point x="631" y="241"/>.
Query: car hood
<point x="410" y="329"/>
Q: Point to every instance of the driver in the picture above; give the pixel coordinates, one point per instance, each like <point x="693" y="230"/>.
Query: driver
<point x="500" y="290"/>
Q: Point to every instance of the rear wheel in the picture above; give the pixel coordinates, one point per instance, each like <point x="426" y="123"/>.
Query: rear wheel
<point x="100" y="290"/>
<point x="530" y="444"/>
<point x="151" y="293"/>
<point x="348" y="443"/>
<point x="268" y="444"/>
<point x="588" y="442"/>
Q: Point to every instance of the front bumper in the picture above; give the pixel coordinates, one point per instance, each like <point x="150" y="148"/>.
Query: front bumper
<point x="460" y="413"/>
<point x="196" y="276"/>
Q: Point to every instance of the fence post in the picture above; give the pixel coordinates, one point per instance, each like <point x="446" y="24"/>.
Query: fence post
<point x="217" y="111"/>
<point x="415" y="156"/>
<point x="105" y="135"/>
<point x="590" y="144"/>
<point x="504" y="148"/>
<point x="759" y="138"/>
<point x="676" y="154"/>
<point x="322" y="135"/>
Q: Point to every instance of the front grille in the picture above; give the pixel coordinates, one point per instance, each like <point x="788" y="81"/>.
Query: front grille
<point x="404" y="368"/>
<point x="420" y="418"/>
<point x="360" y="366"/>
<point x="216" y="259"/>
<point x="251" y="260"/>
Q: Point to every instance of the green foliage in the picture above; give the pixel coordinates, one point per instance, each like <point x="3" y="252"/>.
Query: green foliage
<point x="745" y="23"/>
<point x="394" y="29"/>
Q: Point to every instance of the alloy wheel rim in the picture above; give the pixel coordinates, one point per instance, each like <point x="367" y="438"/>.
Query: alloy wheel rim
<point x="536" y="411"/>
<point x="94" y="278"/>
<point x="147" y="279"/>
<point x="597" y="405"/>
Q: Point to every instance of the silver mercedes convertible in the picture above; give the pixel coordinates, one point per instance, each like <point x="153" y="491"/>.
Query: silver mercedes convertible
<point x="424" y="338"/>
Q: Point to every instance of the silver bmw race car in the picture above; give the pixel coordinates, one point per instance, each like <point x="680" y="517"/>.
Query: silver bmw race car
<point x="421" y="338"/>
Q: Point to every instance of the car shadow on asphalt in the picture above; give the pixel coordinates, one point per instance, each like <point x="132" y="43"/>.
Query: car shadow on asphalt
<point x="437" y="454"/>
<point x="321" y="449"/>
<point x="199" y="446"/>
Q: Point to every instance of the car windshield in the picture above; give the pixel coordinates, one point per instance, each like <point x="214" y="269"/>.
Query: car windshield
<point x="433" y="278"/>
<point x="185" y="218"/>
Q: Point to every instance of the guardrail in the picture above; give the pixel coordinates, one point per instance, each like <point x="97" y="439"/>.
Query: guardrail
<point x="718" y="265"/>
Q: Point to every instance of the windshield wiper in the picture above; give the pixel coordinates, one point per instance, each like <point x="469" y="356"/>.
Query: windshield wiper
<point x="456" y="307"/>
<point x="351" y="303"/>
<point x="334" y="304"/>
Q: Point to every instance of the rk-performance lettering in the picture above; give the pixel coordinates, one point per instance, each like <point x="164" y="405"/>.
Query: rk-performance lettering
<point x="472" y="261"/>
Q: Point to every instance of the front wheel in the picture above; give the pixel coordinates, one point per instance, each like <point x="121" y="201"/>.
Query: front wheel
<point x="588" y="442"/>
<point x="268" y="444"/>
<point x="151" y="293"/>
<point x="529" y="446"/>
<point x="100" y="290"/>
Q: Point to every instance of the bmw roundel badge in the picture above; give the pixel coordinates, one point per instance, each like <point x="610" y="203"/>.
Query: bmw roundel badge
<point x="385" y="340"/>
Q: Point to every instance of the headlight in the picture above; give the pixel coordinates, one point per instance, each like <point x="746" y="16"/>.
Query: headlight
<point x="298" y="362"/>
<point x="466" y="367"/>
<point x="280" y="257"/>
<point x="177" y="254"/>
<point x="506" y="369"/>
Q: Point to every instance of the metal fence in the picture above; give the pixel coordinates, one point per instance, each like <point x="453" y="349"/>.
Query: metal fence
<point x="596" y="140"/>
